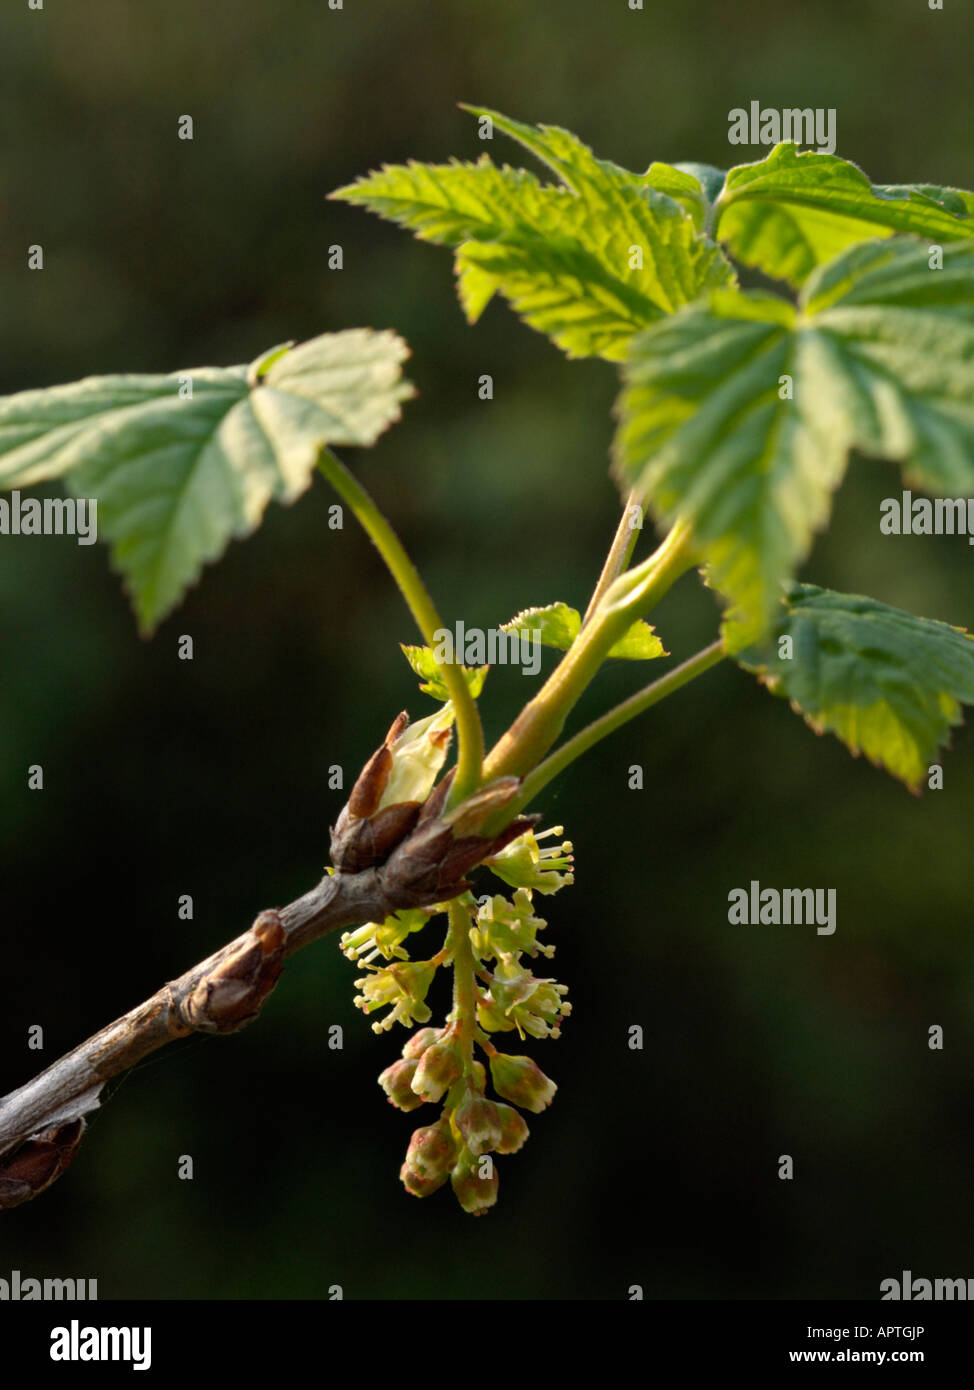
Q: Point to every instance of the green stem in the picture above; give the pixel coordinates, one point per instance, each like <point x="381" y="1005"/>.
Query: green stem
<point x="600" y="728"/>
<point x="464" y="983"/>
<point x="617" y="560"/>
<point x="541" y="721"/>
<point x="470" y="737"/>
<point x="637" y="591"/>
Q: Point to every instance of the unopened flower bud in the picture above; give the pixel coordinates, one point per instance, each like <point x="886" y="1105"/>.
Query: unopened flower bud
<point x="431" y="1154"/>
<point x="438" y="1068"/>
<point x="395" y="1082"/>
<point x="514" y="1130"/>
<point x="417" y="1186"/>
<point x="420" y="1041"/>
<point x="479" y="1121"/>
<point x="522" y="1081"/>
<point x="474" y="1181"/>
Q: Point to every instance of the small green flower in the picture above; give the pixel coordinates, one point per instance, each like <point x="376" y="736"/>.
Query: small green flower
<point x="521" y="1081"/>
<point x="524" y="864"/>
<point x="384" y="938"/>
<point x="524" y="1002"/>
<point x="506" y="928"/>
<point x="403" y="986"/>
<point x="491" y="1018"/>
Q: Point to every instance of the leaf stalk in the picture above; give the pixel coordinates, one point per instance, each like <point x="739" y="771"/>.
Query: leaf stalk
<point x="470" y="737"/>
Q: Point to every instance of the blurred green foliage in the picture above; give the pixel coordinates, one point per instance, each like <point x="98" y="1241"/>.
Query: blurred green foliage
<point x="163" y="777"/>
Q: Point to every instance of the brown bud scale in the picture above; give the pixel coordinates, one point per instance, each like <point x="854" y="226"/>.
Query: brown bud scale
<point x="232" y="994"/>
<point x="30" y="1169"/>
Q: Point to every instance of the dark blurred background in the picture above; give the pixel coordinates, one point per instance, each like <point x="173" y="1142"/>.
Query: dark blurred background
<point x="165" y="777"/>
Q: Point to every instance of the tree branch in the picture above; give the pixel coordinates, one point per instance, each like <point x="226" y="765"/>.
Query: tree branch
<point x="405" y="855"/>
<point x="219" y="995"/>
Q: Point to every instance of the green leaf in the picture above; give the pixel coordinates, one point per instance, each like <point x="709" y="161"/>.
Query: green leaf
<point x="449" y="204"/>
<point x="710" y="179"/>
<point x="880" y="354"/>
<point x="683" y="185"/>
<point x="588" y="263"/>
<point x="886" y="683"/>
<point x="558" y="626"/>
<point x="423" y="662"/>
<point x="177" y="475"/>
<point x="475" y="286"/>
<point x="638" y="643"/>
<point x="953" y="200"/>
<point x="563" y="152"/>
<point x="558" y="288"/>
<point x="694" y="186"/>
<point x="790" y="212"/>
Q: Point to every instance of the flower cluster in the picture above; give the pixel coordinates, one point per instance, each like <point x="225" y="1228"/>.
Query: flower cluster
<point x="495" y="992"/>
<point x="459" y="1145"/>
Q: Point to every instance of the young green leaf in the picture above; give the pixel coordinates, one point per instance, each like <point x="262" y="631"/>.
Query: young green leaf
<point x="790" y="212"/>
<point x="449" y="204"/>
<point x="737" y="417"/>
<point x="182" y="463"/>
<point x="588" y="263"/>
<point x="638" y="643"/>
<point x="886" y="683"/>
<point x="694" y="186"/>
<point x="423" y="662"/>
<point x="558" y="288"/>
<point x="563" y="152"/>
<point x="558" y="625"/>
<point x="954" y="200"/>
